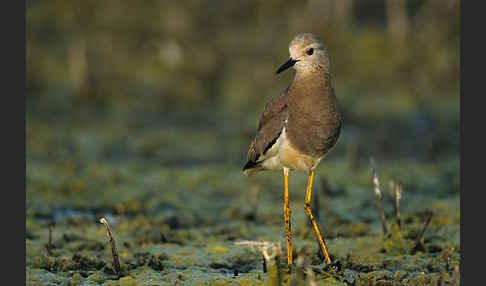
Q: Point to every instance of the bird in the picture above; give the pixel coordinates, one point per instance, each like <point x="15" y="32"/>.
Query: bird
<point x="299" y="126"/>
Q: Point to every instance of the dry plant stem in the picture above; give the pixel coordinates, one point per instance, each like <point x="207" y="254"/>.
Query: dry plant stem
<point x="421" y="233"/>
<point x="114" y="251"/>
<point x="448" y="262"/>
<point x="456" y="278"/>
<point x="379" y="197"/>
<point x="271" y="252"/>
<point x="391" y="189"/>
<point x="264" y="265"/>
<point x="398" y="196"/>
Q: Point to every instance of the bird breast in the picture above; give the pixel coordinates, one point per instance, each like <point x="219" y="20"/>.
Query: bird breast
<point x="284" y="154"/>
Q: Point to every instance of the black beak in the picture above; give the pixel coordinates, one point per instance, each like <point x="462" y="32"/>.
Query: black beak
<point x="291" y="62"/>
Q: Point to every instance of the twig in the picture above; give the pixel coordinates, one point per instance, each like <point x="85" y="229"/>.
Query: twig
<point x="448" y="258"/>
<point x="398" y="196"/>
<point x="456" y="278"/>
<point x="114" y="251"/>
<point x="271" y="252"/>
<point x="391" y="189"/>
<point x="264" y="264"/>
<point x="424" y="228"/>
<point x="263" y="247"/>
<point x="379" y="197"/>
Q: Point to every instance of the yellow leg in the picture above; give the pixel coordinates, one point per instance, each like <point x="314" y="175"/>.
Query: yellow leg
<point x="308" y="211"/>
<point x="287" y="217"/>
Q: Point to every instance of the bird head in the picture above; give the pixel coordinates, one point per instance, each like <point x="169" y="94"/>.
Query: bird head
<point x="307" y="53"/>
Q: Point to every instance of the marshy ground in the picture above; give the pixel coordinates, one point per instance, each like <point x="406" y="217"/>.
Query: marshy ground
<point x="172" y="190"/>
<point x="143" y="114"/>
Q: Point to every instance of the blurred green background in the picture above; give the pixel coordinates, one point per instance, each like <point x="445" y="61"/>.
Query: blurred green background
<point x="148" y="108"/>
<point x="395" y="68"/>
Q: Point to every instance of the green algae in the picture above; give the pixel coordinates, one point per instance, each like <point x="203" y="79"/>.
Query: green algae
<point x="171" y="187"/>
<point x="179" y="224"/>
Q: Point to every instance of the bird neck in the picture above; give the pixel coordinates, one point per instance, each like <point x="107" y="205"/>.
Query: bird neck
<point x="316" y="77"/>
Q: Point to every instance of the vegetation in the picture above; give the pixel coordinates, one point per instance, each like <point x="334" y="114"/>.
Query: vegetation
<point x="142" y="113"/>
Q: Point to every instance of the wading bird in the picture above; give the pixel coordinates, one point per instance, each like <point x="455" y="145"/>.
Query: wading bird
<point x="299" y="126"/>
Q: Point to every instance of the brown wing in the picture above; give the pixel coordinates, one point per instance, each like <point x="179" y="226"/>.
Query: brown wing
<point x="269" y="128"/>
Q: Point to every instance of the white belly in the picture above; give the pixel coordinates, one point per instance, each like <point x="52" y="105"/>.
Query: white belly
<point x="283" y="154"/>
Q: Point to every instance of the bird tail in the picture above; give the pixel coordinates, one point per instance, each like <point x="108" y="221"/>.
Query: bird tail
<point x="251" y="167"/>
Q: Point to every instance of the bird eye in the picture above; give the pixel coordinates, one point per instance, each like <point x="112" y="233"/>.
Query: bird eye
<point x="310" y="51"/>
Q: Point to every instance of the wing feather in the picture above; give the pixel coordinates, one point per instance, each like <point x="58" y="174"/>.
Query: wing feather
<point x="270" y="126"/>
